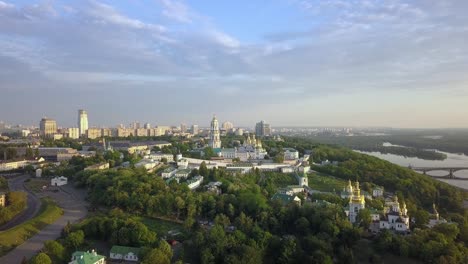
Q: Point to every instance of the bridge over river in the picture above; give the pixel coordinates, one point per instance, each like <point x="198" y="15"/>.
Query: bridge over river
<point x="450" y="171"/>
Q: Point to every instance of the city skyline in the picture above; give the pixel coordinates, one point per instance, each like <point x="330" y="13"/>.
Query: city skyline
<point x="390" y="63"/>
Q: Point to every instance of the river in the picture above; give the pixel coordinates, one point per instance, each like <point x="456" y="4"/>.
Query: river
<point x="453" y="160"/>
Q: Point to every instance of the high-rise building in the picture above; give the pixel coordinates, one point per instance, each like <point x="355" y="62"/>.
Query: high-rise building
<point x="262" y="129"/>
<point x="147" y="126"/>
<point x="135" y="125"/>
<point x="93" y="133"/>
<point x="195" y="129"/>
<point x="228" y="126"/>
<point x="183" y="128"/>
<point x="47" y="127"/>
<point x="82" y="121"/>
<point x="74" y="132"/>
<point x="215" y="140"/>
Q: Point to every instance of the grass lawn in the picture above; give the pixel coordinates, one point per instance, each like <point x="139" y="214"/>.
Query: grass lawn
<point x="161" y="227"/>
<point x="15" y="236"/>
<point x="35" y="185"/>
<point x="326" y="183"/>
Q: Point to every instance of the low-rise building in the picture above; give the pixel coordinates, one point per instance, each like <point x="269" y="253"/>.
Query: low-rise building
<point x="168" y="172"/>
<point x="182" y="173"/>
<point x="148" y="164"/>
<point x="124" y="253"/>
<point x="377" y="192"/>
<point x="57" y="154"/>
<point x="290" y="154"/>
<point x="291" y="190"/>
<point x="182" y="163"/>
<point x="13" y="164"/>
<point x="99" y="166"/>
<point x="194" y="182"/>
<point x="59" y="181"/>
<point x="158" y="156"/>
<point x="81" y="257"/>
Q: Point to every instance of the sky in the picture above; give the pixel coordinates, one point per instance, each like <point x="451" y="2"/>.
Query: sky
<point x="390" y="63"/>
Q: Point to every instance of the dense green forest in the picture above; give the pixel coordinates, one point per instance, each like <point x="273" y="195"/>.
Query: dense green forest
<point x="248" y="227"/>
<point x="265" y="230"/>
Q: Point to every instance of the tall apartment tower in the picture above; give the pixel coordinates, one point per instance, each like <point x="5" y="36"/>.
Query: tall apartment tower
<point x="262" y="129"/>
<point x="215" y="140"/>
<point x="82" y="121"/>
<point x="195" y="129"/>
<point x="47" y="127"/>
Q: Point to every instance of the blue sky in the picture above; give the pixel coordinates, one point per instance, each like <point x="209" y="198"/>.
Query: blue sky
<point x="291" y="62"/>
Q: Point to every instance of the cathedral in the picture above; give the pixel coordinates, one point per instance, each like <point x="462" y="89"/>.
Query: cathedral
<point x="215" y="140"/>
<point x="251" y="149"/>
<point x="356" y="201"/>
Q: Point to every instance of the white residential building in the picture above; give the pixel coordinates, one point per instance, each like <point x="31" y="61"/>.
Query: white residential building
<point x="182" y="163"/>
<point x="148" y="164"/>
<point x="158" y="156"/>
<point x="182" y="173"/>
<point x="168" y="172"/>
<point x="195" y="182"/>
<point x="124" y="253"/>
<point x="290" y="154"/>
<point x="59" y="181"/>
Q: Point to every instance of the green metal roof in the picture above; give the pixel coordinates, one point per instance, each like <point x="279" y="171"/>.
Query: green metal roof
<point x="86" y="257"/>
<point x="124" y="250"/>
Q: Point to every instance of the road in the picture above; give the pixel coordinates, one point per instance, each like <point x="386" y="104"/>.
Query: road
<point x="33" y="203"/>
<point x="74" y="208"/>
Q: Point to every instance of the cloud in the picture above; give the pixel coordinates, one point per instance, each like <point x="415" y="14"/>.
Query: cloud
<point x="103" y="13"/>
<point x="177" y="11"/>
<point x="344" y="47"/>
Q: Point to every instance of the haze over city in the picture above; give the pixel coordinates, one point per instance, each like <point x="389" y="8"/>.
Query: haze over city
<point x="293" y="63"/>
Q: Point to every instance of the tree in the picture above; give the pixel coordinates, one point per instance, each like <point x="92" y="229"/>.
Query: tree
<point x="55" y="250"/>
<point x="364" y="218"/>
<point x="156" y="256"/>
<point x="222" y="220"/>
<point x="421" y="218"/>
<point x="203" y="170"/>
<point x="41" y="258"/>
<point x="279" y="157"/>
<point x="29" y="153"/>
<point x="180" y="204"/>
<point x="75" y="239"/>
<point x="11" y="153"/>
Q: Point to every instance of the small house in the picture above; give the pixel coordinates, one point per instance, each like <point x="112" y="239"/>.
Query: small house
<point x="124" y="253"/>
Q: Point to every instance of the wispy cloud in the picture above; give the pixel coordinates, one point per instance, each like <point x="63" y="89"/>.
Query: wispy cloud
<point x="177" y="10"/>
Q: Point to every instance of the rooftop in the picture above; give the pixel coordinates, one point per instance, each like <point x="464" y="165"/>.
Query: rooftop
<point x="86" y="257"/>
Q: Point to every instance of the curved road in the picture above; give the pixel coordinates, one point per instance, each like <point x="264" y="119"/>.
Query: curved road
<point x="74" y="209"/>
<point x="33" y="203"/>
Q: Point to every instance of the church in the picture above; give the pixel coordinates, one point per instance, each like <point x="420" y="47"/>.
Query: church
<point x="251" y="149"/>
<point x="393" y="217"/>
